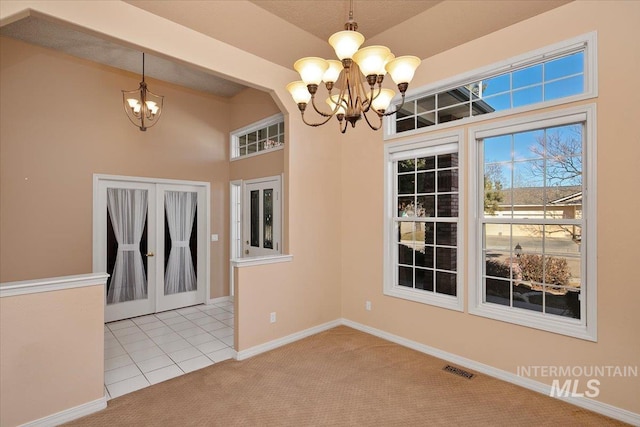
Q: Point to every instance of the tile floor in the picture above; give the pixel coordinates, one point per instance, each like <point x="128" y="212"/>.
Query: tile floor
<point x="150" y="349"/>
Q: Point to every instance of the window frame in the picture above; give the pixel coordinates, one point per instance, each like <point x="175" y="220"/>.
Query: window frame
<point x="234" y="137"/>
<point x="585" y="327"/>
<point x="419" y="147"/>
<point x="586" y="42"/>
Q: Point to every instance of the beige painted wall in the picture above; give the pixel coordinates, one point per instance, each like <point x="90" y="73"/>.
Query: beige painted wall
<point x="50" y="149"/>
<point x="250" y="106"/>
<point x="260" y="166"/>
<point x="306" y="291"/>
<point x="498" y="344"/>
<point x="54" y="360"/>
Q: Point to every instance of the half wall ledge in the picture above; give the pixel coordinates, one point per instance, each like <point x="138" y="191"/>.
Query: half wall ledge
<point x="9" y="289"/>
<point x="272" y="259"/>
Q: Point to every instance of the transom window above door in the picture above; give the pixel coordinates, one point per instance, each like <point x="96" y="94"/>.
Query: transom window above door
<point x="258" y="138"/>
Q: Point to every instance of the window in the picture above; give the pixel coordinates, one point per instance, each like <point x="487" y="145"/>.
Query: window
<point x="535" y="221"/>
<point x="551" y="76"/>
<point x="422" y="226"/>
<point x="266" y="135"/>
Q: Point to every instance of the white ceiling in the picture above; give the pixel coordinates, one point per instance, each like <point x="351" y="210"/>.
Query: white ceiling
<point x="282" y="31"/>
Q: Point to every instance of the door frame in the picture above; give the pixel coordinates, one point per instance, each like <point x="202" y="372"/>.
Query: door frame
<point x="235" y="228"/>
<point x="99" y="251"/>
<point x="237" y="189"/>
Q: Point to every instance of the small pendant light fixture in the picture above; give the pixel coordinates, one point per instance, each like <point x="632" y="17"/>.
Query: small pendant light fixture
<point x="142" y="106"/>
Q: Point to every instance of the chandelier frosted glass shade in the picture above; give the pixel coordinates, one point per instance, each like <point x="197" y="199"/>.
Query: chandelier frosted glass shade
<point x="299" y="92"/>
<point x="357" y="77"/>
<point x="372" y="59"/>
<point x="346" y="43"/>
<point x="311" y="69"/>
<point x="333" y="72"/>
<point x="142" y="107"/>
<point x="403" y="68"/>
<point x="383" y="100"/>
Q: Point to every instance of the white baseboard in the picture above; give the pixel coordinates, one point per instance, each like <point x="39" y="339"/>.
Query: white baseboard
<point x="69" y="414"/>
<point x="253" y="351"/>
<point x="218" y="300"/>
<point x="583" y="402"/>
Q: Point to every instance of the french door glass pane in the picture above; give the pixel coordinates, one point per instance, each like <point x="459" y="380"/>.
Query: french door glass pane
<point x="180" y="242"/>
<point x="255" y="218"/>
<point x="126" y="243"/>
<point x="267" y="209"/>
<point x="112" y="250"/>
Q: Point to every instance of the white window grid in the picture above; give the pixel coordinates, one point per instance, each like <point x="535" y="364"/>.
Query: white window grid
<point x="425" y="206"/>
<point x="427" y="106"/>
<point x="544" y="224"/>
<point x="585" y="326"/>
<point x="395" y="153"/>
<point x="257" y="138"/>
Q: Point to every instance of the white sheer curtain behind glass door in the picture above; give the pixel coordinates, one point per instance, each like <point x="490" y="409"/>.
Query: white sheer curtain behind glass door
<point x="180" y="208"/>
<point x="128" y="211"/>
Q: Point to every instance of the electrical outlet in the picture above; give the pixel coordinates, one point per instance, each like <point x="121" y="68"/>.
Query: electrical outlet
<point x="272" y="317"/>
<point x="367" y="305"/>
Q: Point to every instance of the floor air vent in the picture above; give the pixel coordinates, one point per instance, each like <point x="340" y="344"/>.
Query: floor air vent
<point x="457" y="371"/>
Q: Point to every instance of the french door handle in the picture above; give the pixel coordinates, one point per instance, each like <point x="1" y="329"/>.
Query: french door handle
<point x="150" y="254"/>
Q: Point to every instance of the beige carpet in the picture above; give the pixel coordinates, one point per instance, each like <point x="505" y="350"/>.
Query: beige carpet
<point x="341" y="377"/>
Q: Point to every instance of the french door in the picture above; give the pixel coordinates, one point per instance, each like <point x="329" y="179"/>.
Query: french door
<point x="261" y="212"/>
<point x="151" y="238"/>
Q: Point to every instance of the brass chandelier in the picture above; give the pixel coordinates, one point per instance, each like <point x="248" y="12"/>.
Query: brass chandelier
<point x="357" y="94"/>
<point x="143" y="107"/>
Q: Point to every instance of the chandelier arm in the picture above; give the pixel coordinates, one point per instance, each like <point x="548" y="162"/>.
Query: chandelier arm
<point x="143" y="98"/>
<point x="157" y="115"/>
<point x="333" y="113"/>
<point x="314" y="124"/>
<point x="391" y="113"/>
<point x="366" y="118"/>
<point x="336" y="104"/>
<point x="368" y="99"/>
<point x="313" y="103"/>
<point x="374" y="97"/>
<point x="343" y="129"/>
<point x="359" y="97"/>
<point x="341" y="101"/>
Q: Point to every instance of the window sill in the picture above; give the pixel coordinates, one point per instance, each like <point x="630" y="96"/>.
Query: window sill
<point x="258" y="153"/>
<point x="563" y="326"/>
<point x="437" y="300"/>
<point x="260" y="260"/>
